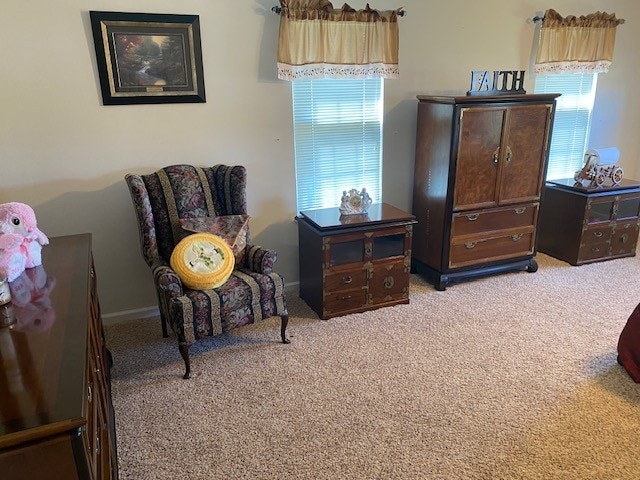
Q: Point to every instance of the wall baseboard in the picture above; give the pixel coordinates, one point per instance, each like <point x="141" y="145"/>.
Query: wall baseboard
<point x="146" y="312"/>
<point x="128" y="315"/>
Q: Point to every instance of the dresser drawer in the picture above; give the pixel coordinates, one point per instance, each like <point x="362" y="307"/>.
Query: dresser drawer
<point x="389" y="282"/>
<point x="338" y="302"/>
<point x="488" y="249"/>
<point x="345" y="280"/>
<point x="475" y="222"/>
<point x="596" y="234"/>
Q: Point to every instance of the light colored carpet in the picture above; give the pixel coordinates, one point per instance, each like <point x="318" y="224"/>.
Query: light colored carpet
<point x="508" y="377"/>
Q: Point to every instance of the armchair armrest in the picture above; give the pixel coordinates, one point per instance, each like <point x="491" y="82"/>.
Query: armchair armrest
<point x="167" y="280"/>
<point x="260" y="259"/>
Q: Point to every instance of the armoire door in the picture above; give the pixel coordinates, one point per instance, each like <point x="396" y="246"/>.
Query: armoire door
<point x="523" y="155"/>
<point x="478" y="158"/>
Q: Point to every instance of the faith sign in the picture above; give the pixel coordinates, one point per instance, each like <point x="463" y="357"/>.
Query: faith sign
<point x="502" y="82"/>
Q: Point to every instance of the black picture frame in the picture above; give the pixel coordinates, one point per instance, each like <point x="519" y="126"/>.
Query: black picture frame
<point x="148" y="57"/>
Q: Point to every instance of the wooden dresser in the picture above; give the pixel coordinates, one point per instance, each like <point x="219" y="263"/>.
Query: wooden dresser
<point x="354" y="263"/>
<point x="479" y="169"/>
<point x="583" y="224"/>
<point x="56" y="414"/>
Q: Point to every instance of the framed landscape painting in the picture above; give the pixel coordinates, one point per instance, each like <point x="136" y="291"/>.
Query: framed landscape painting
<point x="148" y="58"/>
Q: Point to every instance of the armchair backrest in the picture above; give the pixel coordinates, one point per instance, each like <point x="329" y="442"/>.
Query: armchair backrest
<point x="176" y="192"/>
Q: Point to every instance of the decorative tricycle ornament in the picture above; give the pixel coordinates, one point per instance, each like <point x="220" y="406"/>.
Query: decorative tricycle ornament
<point x="354" y="202"/>
<point x="600" y="165"/>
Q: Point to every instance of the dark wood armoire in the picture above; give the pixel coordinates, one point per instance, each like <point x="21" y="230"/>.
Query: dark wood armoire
<point x="479" y="170"/>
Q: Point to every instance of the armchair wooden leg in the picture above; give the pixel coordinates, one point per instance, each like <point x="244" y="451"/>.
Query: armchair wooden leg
<point x="283" y="328"/>
<point x="184" y="351"/>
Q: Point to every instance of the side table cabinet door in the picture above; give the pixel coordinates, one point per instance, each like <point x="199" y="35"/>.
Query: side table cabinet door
<point x="389" y="282"/>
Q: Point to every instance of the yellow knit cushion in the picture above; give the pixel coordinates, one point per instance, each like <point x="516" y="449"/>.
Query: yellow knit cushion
<point x="202" y="261"/>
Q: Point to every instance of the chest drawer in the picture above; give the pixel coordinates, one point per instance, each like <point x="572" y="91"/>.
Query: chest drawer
<point x="486" y="249"/>
<point x="471" y="223"/>
<point x="345" y="280"/>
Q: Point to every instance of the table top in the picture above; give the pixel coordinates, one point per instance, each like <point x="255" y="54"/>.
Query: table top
<point x="44" y="351"/>
<point x="379" y="213"/>
<point x="586" y="187"/>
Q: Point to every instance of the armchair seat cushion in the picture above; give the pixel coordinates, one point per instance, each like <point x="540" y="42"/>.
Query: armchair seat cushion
<point x="246" y="297"/>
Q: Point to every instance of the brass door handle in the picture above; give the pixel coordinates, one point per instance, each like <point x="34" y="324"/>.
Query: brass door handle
<point x="509" y="155"/>
<point x="496" y="156"/>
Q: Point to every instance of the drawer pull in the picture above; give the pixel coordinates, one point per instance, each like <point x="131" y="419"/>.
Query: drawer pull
<point x="595" y="249"/>
<point x="89" y="393"/>
<point x="472" y="217"/>
<point x="520" y="210"/>
<point x="347" y="280"/>
<point x="469" y="245"/>
<point x="624" y="237"/>
<point x="597" y="234"/>
<point x="388" y="282"/>
<point x="345" y="297"/>
<point x="367" y="250"/>
<point x="516" y="237"/>
<point x="495" y="156"/>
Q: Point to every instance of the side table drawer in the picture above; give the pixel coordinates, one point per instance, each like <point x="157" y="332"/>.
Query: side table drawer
<point x="593" y="251"/>
<point x="596" y="234"/>
<point x="336" y="303"/>
<point x="348" y="279"/>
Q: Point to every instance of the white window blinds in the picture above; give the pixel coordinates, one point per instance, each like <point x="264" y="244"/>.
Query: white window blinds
<point x="572" y="120"/>
<point x="338" y="139"/>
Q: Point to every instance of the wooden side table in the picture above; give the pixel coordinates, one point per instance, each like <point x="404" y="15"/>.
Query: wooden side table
<point x="354" y="263"/>
<point x="581" y="224"/>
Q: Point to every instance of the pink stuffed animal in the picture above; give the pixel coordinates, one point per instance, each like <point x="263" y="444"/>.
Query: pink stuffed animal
<point x="20" y="239"/>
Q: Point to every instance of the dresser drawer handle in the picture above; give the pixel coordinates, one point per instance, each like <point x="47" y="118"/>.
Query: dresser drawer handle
<point x="345" y="297"/>
<point x="520" y="210"/>
<point x="597" y="234"/>
<point x="89" y="394"/>
<point x="624" y="237"/>
<point x="388" y="282"/>
<point x="472" y="217"/>
<point x="595" y="249"/>
<point x="469" y="245"/>
<point x="347" y="280"/>
<point x="517" y="237"/>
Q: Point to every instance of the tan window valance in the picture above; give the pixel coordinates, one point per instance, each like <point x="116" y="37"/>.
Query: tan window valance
<point x="576" y="44"/>
<point x="318" y="41"/>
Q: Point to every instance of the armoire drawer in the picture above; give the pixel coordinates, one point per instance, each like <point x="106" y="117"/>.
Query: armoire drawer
<point x="489" y="220"/>
<point x="480" y="249"/>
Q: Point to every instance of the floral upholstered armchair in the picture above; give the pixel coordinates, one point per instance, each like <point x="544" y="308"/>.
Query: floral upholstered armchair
<point x="163" y="201"/>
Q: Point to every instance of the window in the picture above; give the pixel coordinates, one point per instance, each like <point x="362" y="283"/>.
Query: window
<point x="572" y="120"/>
<point x="337" y="138"/>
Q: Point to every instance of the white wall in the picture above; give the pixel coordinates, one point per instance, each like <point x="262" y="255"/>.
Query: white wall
<point x="65" y="154"/>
